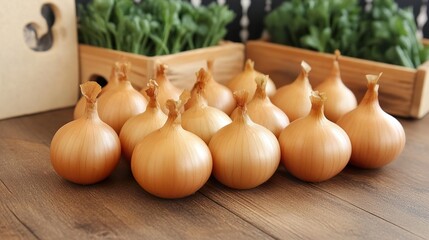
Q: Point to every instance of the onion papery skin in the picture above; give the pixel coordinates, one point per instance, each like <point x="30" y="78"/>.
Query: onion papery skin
<point x="138" y="127"/>
<point x="166" y="90"/>
<point x="201" y="119"/>
<point x="204" y="121"/>
<point x="217" y="96"/>
<point x="377" y="138"/>
<point x="119" y="105"/>
<point x="246" y="81"/>
<point x="245" y="154"/>
<point x="313" y="148"/>
<point x="340" y="99"/>
<point x="85" y="151"/>
<point x="171" y="162"/>
<point x="244" y="157"/>
<point x="79" y="109"/>
<point x="263" y="112"/>
<point x="293" y="99"/>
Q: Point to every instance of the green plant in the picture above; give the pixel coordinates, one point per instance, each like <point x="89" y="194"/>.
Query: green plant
<point x="152" y="27"/>
<point x="318" y="25"/>
<point x="386" y="33"/>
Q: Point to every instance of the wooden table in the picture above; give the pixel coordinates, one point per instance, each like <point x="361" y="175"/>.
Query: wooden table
<point x="35" y="203"/>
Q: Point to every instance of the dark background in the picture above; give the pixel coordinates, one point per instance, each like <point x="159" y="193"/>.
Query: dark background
<point x="256" y="14"/>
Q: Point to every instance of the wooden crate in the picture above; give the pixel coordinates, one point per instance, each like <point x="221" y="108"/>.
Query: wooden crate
<point x="403" y="91"/>
<point x="228" y="56"/>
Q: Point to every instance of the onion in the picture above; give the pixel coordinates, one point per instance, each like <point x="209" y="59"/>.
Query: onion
<point x="172" y="162"/>
<point x="245" y="154"/>
<point x="314" y="149"/>
<point x="202" y="119"/>
<point x="377" y="138"/>
<point x="340" y="99"/>
<point x="113" y="79"/>
<point x="293" y="98"/>
<point x="166" y="90"/>
<point x="262" y="111"/>
<point x="138" y="127"/>
<point x="121" y="103"/>
<point x="79" y="109"/>
<point x="217" y="95"/>
<point x="86" y="150"/>
<point x="246" y="81"/>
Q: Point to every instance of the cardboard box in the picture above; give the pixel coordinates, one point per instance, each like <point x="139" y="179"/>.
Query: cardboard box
<point x="32" y="78"/>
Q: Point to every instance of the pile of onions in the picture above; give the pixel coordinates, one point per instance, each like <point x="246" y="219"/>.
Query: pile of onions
<point x="262" y="111"/>
<point x="121" y="102"/>
<point x="138" y="127"/>
<point x="245" y="154"/>
<point x="340" y="99"/>
<point x="202" y="119"/>
<point x="246" y="81"/>
<point x="86" y="150"/>
<point x="171" y="162"/>
<point x="166" y="90"/>
<point x="79" y="109"/>
<point x="377" y="138"/>
<point x="217" y="95"/>
<point x="293" y="98"/>
<point x="313" y="148"/>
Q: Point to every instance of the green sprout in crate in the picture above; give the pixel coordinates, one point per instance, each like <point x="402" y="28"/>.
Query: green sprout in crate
<point x="386" y="33"/>
<point x="318" y="25"/>
<point x="152" y="27"/>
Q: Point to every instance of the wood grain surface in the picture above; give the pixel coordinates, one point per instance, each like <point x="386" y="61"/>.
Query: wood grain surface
<point x="35" y="203"/>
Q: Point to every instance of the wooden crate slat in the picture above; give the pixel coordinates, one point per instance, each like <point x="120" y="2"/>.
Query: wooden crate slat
<point x="228" y="56"/>
<point x="403" y="91"/>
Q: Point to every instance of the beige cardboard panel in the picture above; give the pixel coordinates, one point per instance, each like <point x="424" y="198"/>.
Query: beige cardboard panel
<point x="33" y="81"/>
